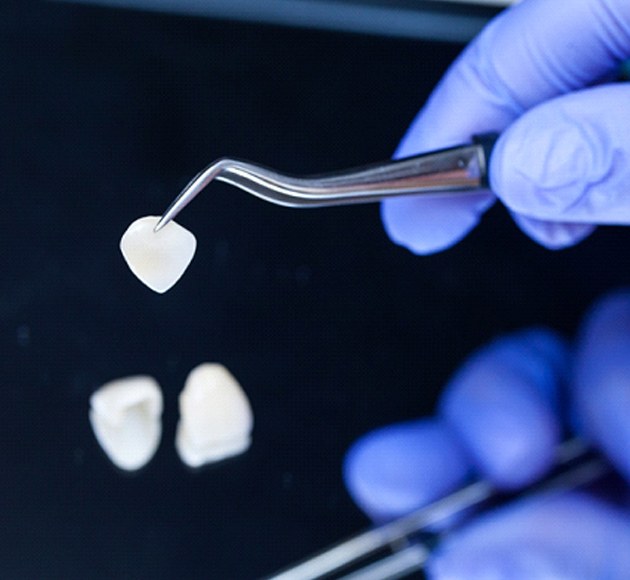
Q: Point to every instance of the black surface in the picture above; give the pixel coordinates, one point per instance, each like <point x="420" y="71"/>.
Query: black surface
<point x="331" y="329"/>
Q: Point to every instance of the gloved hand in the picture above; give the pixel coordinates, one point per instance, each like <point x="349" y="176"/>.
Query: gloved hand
<point x="500" y="417"/>
<point x="562" y="163"/>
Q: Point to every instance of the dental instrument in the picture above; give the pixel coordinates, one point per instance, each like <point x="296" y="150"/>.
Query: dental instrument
<point x="454" y="171"/>
<point x="407" y="542"/>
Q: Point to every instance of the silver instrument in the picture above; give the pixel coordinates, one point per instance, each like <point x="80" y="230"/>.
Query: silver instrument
<point x="399" y="548"/>
<point x="454" y="171"/>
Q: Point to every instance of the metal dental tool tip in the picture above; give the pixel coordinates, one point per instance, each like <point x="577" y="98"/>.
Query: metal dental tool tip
<point x="454" y="171"/>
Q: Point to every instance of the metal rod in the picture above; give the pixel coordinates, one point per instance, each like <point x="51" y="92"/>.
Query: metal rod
<point x="573" y="460"/>
<point x="452" y="171"/>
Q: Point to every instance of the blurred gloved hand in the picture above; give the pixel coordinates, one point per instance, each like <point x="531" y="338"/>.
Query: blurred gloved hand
<point x="500" y="417"/>
<point x="541" y="74"/>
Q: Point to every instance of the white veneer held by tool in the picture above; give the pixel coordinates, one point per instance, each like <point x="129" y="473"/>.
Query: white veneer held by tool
<point x="126" y="419"/>
<point x="216" y="418"/>
<point x="158" y="259"/>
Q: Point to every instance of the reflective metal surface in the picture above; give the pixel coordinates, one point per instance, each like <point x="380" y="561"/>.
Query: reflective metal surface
<point x="452" y="171"/>
<point x="452" y="21"/>
<point x="575" y="467"/>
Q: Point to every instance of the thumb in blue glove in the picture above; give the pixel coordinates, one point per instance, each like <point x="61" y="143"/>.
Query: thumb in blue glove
<point x="562" y="161"/>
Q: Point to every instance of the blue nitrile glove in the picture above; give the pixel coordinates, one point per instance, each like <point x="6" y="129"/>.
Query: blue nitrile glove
<point x="562" y="163"/>
<point x="500" y="417"/>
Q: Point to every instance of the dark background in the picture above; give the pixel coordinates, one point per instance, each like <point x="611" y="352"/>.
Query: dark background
<point x="331" y="329"/>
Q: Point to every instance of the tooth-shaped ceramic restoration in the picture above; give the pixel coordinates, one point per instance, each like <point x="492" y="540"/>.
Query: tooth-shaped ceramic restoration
<point x="216" y="418"/>
<point x="158" y="259"/>
<point x="126" y="418"/>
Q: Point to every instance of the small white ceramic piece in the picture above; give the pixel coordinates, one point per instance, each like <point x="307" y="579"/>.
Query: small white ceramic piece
<point x="157" y="259"/>
<point x="216" y="418"/>
<point x="125" y="415"/>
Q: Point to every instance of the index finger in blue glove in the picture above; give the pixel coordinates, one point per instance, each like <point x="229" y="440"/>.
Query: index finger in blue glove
<point x="502" y="405"/>
<point x="531" y="53"/>
<point x="601" y="378"/>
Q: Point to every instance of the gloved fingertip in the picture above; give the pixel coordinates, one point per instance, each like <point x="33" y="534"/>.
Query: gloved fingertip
<point x="426" y="226"/>
<point x="553" y="235"/>
<point x="501" y="404"/>
<point x="612" y="427"/>
<point x="394" y="470"/>
<point x="601" y="378"/>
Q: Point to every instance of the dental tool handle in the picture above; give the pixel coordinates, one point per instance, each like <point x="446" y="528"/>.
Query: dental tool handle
<point x="576" y="467"/>
<point x="453" y="171"/>
<point x="487" y="142"/>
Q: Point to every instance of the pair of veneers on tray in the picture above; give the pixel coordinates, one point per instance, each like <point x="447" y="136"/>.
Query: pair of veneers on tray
<point x="215" y="423"/>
